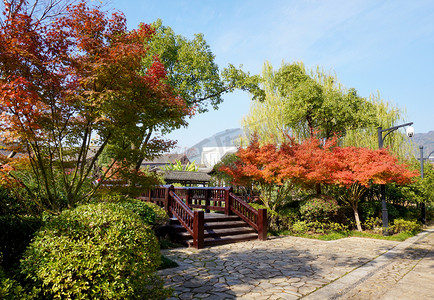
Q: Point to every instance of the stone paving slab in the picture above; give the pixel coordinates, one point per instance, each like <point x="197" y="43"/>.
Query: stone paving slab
<point x="405" y="272"/>
<point x="280" y="268"/>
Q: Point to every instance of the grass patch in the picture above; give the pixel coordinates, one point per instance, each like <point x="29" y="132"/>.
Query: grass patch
<point x="336" y="235"/>
<point x="402" y="236"/>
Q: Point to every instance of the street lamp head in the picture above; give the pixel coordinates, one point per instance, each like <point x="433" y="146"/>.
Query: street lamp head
<point x="410" y="131"/>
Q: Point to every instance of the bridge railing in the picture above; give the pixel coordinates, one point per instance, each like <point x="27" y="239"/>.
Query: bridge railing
<point x="180" y="202"/>
<point x="206" y="198"/>
<point x="193" y="221"/>
<point x="255" y="218"/>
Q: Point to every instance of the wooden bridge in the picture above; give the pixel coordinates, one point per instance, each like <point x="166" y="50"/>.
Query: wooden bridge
<point x="206" y="216"/>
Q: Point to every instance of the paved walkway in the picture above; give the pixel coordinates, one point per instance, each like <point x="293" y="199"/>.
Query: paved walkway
<point x="293" y="268"/>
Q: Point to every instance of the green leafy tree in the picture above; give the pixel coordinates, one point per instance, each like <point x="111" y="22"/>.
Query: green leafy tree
<point x="428" y="183"/>
<point x="266" y="118"/>
<point x="303" y="103"/>
<point x="194" y="76"/>
<point x="317" y="104"/>
<point x="386" y="115"/>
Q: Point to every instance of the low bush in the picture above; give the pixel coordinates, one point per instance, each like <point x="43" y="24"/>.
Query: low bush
<point x="11" y="289"/>
<point x="401" y="225"/>
<point x="149" y="212"/>
<point x="277" y="221"/>
<point x="167" y="263"/>
<point x="96" y="251"/>
<point x="320" y="209"/>
<point x="370" y="209"/>
<point x="316" y="227"/>
<point x="299" y="227"/>
<point x="373" y="224"/>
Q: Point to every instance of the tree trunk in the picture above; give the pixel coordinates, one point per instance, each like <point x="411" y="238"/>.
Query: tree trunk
<point x="356" y="216"/>
<point x="318" y="188"/>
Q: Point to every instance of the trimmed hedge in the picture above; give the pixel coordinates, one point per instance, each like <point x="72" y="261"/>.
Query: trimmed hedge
<point x="96" y="251"/>
<point x="322" y="209"/>
<point x="149" y="212"/>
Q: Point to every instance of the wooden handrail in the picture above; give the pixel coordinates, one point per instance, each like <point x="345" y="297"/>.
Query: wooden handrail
<point x="179" y="202"/>
<point x="244" y="210"/>
<point x="193" y="221"/>
<point x="182" y="212"/>
<point x="255" y="218"/>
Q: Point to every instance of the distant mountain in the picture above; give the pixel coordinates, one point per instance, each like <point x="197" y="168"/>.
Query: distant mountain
<point x="230" y="137"/>
<point x="226" y="139"/>
<point x="426" y="140"/>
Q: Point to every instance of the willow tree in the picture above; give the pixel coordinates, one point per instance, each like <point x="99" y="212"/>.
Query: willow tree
<point x="266" y="118"/>
<point x="306" y="103"/>
<point x="387" y="115"/>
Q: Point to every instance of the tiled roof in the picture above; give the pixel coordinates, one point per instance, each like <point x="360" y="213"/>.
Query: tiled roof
<point x="179" y="176"/>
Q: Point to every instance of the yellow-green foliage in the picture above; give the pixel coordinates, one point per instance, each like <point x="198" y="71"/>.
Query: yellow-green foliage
<point x="96" y="251"/>
<point x="387" y="115"/>
<point x="177" y="166"/>
<point x="401" y="225"/>
<point x="149" y="212"/>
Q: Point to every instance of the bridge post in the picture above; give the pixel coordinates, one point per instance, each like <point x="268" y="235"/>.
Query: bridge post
<point x="167" y="199"/>
<point x="262" y="224"/>
<point x="198" y="229"/>
<point x="207" y="202"/>
<point x="227" y="201"/>
<point x="188" y="197"/>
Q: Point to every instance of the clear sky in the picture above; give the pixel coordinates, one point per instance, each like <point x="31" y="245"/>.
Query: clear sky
<point x="385" y="46"/>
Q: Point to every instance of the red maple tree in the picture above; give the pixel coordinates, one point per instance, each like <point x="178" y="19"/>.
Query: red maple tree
<point x="70" y="87"/>
<point x="357" y="168"/>
<point x="315" y="162"/>
<point x="270" y="167"/>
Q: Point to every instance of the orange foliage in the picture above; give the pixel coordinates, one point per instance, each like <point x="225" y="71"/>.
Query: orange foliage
<point x="314" y="161"/>
<point x="81" y="76"/>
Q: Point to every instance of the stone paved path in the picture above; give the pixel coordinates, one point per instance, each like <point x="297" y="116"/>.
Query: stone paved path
<point x="280" y="268"/>
<point x="405" y="272"/>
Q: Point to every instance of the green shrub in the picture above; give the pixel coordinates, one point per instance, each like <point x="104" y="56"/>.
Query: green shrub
<point x="167" y="263"/>
<point x="299" y="227"/>
<point x="11" y="289"/>
<point x="324" y="227"/>
<point x="373" y="223"/>
<point x="96" y="251"/>
<point x="370" y="209"/>
<point x="149" y="212"/>
<point x="276" y="221"/>
<point x="319" y="209"/>
<point x="401" y="225"/>
<point x="373" y="209"/>
<point x="15" y="235"/>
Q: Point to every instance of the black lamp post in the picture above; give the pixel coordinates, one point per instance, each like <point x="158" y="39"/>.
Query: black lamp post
<point x="423" y="209"/>
<point x="384" y="212"/>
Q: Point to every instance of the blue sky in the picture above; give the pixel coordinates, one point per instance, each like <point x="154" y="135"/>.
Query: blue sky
<point x="385" y="46"/>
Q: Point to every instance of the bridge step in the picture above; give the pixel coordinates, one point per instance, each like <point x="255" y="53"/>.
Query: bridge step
<point x="229" y="239"/>
<point x="218" y="230"/>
